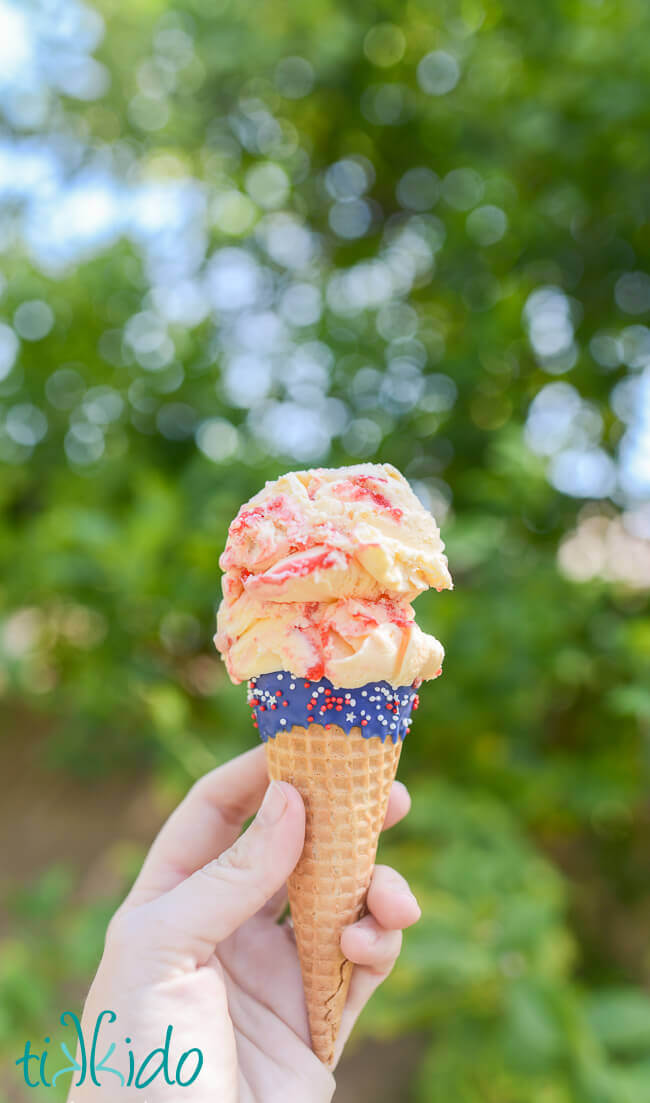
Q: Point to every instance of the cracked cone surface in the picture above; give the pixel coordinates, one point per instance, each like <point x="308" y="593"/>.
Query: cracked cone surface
<point x="345" y="783"/>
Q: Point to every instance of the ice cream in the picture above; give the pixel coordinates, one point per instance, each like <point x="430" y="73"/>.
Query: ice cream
<point x="321" y="568"/>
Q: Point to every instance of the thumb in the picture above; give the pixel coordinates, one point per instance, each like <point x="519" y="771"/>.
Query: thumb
<point x="207" y="907"/>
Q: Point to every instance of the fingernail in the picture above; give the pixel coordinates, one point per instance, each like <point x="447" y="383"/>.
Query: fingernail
<point x="404" y="891"/>
<point x="399" y="884"/>
<point x="273" y="806"/>
<point x="413" y="900"/>
<point x="403" y="788"/>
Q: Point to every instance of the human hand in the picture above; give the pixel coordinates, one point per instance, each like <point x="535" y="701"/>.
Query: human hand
<point x="197" y="945"/>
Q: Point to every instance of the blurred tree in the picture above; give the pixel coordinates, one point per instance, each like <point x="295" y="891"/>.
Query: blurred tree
<point x="238" y="238"/>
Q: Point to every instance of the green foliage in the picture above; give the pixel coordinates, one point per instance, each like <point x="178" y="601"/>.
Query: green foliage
<point x="365" y="313"/>
<point x="489" y="968"/>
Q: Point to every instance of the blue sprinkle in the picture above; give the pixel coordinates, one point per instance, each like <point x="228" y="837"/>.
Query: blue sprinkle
<point x="270" y="721"/>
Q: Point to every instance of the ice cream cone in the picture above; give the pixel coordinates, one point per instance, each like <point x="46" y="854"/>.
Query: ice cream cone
<point x="321" y="569"/>
<point x="344" y="780"/>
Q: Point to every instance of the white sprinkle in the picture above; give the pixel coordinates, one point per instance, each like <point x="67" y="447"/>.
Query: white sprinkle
<point x="280" y="677"/>
<point x="363" y="693"/>
<point x="292" y="685"/>
<point x="353" y="701"/>
<point x="321" y="689"/>
<point x="392" y="727"/>
<point x="349" y="716"/>
<point x="283" y="721"/>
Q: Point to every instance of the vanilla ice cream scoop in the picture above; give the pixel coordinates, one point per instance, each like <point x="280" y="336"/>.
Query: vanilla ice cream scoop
<point x="320" y="569"/>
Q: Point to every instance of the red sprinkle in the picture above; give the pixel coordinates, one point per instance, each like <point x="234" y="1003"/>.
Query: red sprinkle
<point x="278" y="693"/>
<point x="274" y="706"/>
<point x="363" y="723"/>
<point x="339" y="708"/>
<point x="285" y="704"/>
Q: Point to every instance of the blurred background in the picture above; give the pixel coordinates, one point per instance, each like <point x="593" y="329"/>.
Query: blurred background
<point x="238" y="238"/>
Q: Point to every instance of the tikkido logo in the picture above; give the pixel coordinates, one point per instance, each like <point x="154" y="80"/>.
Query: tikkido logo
<point x="91" y="1066"/>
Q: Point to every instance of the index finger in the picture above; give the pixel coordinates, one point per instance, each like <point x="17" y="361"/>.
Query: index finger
<point x="206" y="823"/>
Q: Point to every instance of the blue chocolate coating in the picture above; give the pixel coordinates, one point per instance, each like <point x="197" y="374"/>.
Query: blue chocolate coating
<point x="278" y="701"/>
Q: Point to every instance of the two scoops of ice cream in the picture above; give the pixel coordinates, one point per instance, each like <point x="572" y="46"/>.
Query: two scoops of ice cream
<point x="321" y="568"/>
<point x="320" y="571"/>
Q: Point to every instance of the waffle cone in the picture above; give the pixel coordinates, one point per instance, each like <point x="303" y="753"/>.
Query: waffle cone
<point x="345" y="783"/>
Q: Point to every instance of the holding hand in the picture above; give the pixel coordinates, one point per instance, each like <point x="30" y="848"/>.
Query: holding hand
<point x="197" y="945"/>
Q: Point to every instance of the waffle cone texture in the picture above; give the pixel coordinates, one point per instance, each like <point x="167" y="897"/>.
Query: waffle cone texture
<point x="345" y="781"/>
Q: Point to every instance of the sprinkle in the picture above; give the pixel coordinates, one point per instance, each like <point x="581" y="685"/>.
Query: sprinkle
<point x="280" y="677"/>
<point x="307" y="701"/>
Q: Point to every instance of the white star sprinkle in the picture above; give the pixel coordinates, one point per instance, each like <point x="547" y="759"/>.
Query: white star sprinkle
<point x="350" y="717"/>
